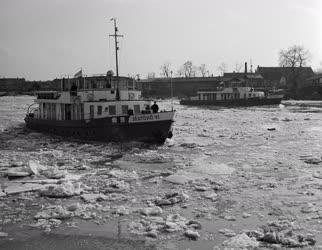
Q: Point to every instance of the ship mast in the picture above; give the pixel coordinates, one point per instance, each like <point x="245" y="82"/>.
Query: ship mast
<point x="115" y="35"/>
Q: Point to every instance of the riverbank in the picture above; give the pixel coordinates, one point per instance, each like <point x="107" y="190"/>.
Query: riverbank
<point x="14" y="93"/>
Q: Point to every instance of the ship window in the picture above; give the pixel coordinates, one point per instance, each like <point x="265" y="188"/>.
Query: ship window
<point x="91" y="111"/>
<point x="125" y="109"/>
<point x="78" y="112"/>
<point x="99" y="110"/>
<point x="93" y="84"/>
<point x="68" y="112"/>
<point x="112" y="110"/>
<point x="82" y="111"/>
<point x="106" y="109"/>
<point x="73" y="112"/>
<point x="54" y="111"/>
<point x="137" y="109"/>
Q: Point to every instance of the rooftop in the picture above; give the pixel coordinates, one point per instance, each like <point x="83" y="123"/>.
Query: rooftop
<point x="276" y="73"/>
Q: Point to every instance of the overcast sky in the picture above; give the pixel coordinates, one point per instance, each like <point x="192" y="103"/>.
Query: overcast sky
<point x="42" y="39"/>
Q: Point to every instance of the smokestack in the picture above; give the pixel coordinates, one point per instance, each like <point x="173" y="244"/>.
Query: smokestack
<point x="245" y="67"/>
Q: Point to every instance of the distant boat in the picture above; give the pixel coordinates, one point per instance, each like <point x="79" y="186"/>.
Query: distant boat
<point x="103" y="108"/>
<point x="232" y="96"/>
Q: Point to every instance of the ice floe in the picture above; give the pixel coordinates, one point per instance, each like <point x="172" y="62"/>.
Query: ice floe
<point x="16" y="188"/>
<point x="3" y="234"/>
<point x="227" y="232"/>
<point x="193" y="235"/>
<point x="151" y="211"/>
<point x="92" y="198"/>
<point x="63" y="190"/>
<point x="241" y="241"/>
<point x="171" y="198"/>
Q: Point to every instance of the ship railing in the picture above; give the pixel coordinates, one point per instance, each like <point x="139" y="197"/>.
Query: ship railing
<point x="87" y="116"/>
<point x="31" y="109"/>
<point x="142" y="112"/>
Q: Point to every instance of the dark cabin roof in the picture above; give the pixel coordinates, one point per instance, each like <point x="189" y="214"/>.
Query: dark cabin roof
<point x="276" y="73"/>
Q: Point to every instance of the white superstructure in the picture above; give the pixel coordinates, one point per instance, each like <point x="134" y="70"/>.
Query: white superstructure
<point x="230" y="93"/>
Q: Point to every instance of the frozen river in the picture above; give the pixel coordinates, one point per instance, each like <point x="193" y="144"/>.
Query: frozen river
<point x="246" y="177"/>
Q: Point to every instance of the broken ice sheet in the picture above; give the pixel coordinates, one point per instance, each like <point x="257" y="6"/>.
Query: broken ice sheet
<point x="66" y="189"/>
<point x="16" y="188"/>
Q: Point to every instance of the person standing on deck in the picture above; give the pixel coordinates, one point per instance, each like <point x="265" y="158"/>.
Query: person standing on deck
<point x="155" y="107"/>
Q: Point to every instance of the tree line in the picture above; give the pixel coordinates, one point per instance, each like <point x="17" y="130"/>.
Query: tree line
<point x="294" y="56"/>
<point x="188" y="69"/>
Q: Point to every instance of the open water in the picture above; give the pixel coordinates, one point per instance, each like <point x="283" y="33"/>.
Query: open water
<point x="262" y="163"/>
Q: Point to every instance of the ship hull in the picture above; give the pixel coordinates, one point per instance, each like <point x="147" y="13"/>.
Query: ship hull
<point x="234" y="102"/>
<point x="105" y="129"/>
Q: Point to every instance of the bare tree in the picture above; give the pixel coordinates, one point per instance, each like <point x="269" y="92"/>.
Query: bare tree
<point x="189" y="69"/>
<point x="294" y="56"/>
<point x="165" y="69"/>
<point x="151" y="75"/>
<point x="238" y="67"/>
<point x="222" y="68"/>
<point x="202" y="69"/>
<point x="180" y="72"/>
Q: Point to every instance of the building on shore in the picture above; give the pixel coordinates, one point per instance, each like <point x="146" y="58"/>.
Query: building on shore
<point x="244" y="80"/>
<point x="181" y="87"/>
<point x="315" y="81"/>
<point x="264" y="78"/>
<point x="12" y="84"/>
<point x="285" y="77"/>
